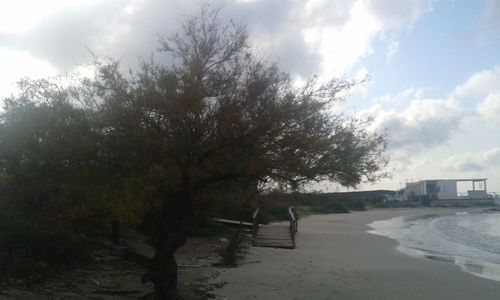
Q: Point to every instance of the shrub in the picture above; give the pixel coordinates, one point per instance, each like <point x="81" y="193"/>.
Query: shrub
<point x="333" y="207"/>
<point x="356" y="205"/>
<point x="28" y="246"/>
<point x="279" y="213"/>
<point x="234" y="249"/>
<point x="336" y="207"/>
<point x="207" y="228"/>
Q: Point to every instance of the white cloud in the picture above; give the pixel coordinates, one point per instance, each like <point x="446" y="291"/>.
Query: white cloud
<point x="307" y="37"/>
<point x="342" y="44"/>
<point x="397" y="13"/>
<point x="392" y="48"/>
<point x="20" y="65"/>
<point x="424" y="123"/>
<point x="489" y="109"/>
<point x="482" y="91"/>
<point x="489" y="25"/>
<point x="401" y="99"/>
<point x="469" y="161"/>
<point x="478" y="85"/>
<point x="22" y="15"/>
<point x="415" y="123"/>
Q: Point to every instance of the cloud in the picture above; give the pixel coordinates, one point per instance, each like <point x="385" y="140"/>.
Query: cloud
<point x="63" y="36"/>
<point x="398" y="14"/>
<point x="392" y="48"/>
<point x="478" y="161"/>
<point x="313" y="36"/>
<point x="478" y="85"/>
<point x="423" y="123"/>
<point x="489" y="109"/>
<point x="342" y="42"/>
<point x="489" y="24"/>
<point x="401" y="99"/>
<point x="332" y="35"/>
<point x="22" y="15"/>
<point x="482" y="91"/>
<point x="20" y="64"/>
<point x="414" y="123"/>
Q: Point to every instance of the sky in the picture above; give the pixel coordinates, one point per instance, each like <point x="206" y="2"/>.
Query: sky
<point x="433" y="65"/>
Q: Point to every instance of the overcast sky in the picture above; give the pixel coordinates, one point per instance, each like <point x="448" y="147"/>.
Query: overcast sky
<point x="434" y="65"/>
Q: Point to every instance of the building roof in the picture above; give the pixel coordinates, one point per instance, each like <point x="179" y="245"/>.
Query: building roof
<point x="461" y="179"/>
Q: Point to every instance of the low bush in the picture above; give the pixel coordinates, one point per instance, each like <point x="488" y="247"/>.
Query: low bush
<point x="356" y="205"/>
<point x="234" y="249"/>
<point x="208" y="228"/>
<point x="336" y="207"/>
<point x="333" y="207"/>
<point x="279" y="213"/>
<point x="28" y="247"/>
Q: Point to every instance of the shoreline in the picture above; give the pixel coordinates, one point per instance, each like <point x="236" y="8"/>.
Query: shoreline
<point x="440" y="249"/>
<point x="336" y="258"/>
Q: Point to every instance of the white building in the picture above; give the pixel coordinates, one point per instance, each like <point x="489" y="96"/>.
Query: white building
<point x="445" y="189"/>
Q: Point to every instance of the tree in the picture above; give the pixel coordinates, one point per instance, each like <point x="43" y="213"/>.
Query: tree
<point x="170" y="137"/>
<point x="219" y="116"/>
<point x="48" y="154"/>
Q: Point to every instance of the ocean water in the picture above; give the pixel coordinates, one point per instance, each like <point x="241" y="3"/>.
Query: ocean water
<point x="469" y="240"/>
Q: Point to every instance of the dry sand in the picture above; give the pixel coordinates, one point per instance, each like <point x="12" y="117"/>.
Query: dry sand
<point x="336" y="258"/>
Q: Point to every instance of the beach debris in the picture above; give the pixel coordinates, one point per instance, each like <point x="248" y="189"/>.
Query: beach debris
<point x="95" y="282"/>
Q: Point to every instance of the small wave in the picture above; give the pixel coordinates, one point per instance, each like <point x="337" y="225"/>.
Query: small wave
<point x="469" y="240"/>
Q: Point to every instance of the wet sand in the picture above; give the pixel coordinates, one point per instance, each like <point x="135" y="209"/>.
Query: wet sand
<point x="336" y="258"/>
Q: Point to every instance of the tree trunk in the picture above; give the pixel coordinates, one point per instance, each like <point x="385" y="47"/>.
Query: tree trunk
<point x="163" y="271"/>
<point x="169" y="234"/>
<point x="165" y="280"/>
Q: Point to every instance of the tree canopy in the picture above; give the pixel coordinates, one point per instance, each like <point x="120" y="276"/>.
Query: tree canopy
<point x="160" y="142"/>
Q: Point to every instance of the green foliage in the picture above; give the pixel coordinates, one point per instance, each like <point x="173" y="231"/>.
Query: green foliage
<point x="325" y="202"/>
<point x="356" y="205"/>
<point x="48" y="149"/>
<point x="333" y="207"/>
<point x="231" y="205"/>
<point x="279" y="213"/>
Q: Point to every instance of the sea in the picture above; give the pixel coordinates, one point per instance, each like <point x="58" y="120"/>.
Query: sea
<point x="469" y="240"/>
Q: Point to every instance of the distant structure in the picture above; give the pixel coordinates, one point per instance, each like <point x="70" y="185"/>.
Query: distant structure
<point x="446" y="189"/>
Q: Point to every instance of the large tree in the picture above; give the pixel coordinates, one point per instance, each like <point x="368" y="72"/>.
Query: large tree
<point x="167" y="137"/>
<point x="219" y="116"/>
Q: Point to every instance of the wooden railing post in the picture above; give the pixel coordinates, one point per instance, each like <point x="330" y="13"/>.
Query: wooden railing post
<point x="255" y="225"/>
<point x="293" y="223"/>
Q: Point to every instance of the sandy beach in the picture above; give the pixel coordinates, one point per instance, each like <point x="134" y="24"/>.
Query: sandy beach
<point x="336" y="258"/>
